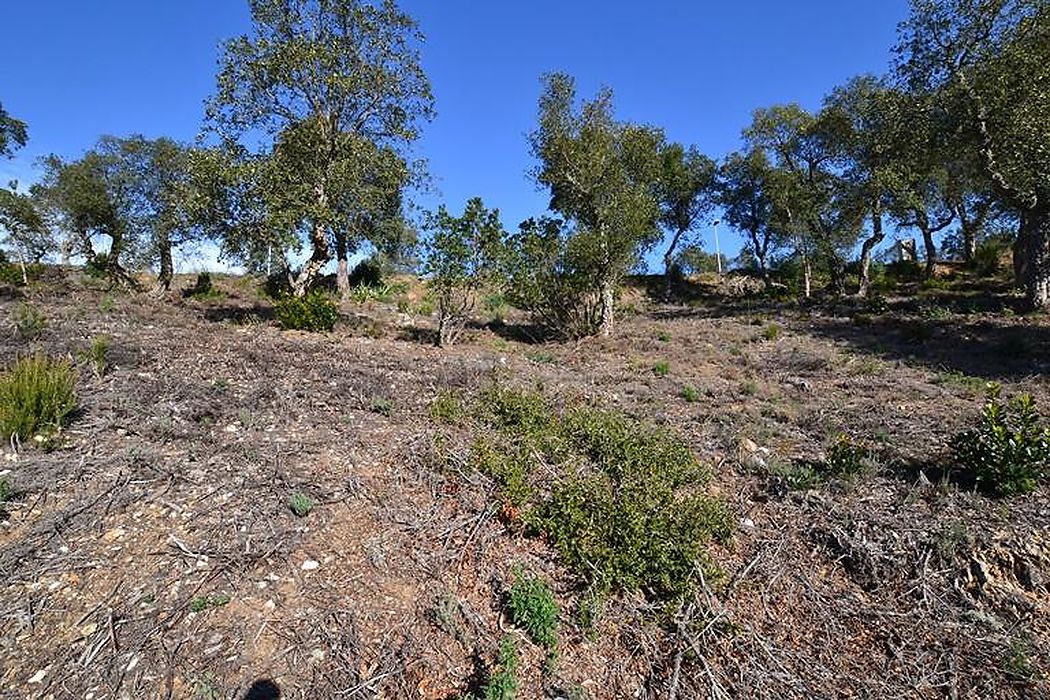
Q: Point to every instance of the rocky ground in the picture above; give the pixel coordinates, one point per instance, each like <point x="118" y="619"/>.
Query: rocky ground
<point x="153" y="552"/>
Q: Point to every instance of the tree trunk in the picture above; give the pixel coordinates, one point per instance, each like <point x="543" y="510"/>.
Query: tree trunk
<point x="668" y="262"/>
<point x="1032" y="255"/>
<point x="318" y="259"/>
<point x="608" y="298"/>
<point x="969" y="233"/>
<point x="167" y="266"/>
<point x="807" y="275"/>
<point x="865" y="251"/>
<point x="342" y="270"/>
<point x="837" y="271"/>
<point x="931" y="251"/>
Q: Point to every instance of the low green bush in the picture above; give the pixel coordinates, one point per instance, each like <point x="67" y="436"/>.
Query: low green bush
<point x="36" y="395"/>
<point x="533" y="609"/>
<point x="314" y="312"/>
<point x="620" y="501"/>
<point x="1008" y="451"/>
<point x="29" y="322"/>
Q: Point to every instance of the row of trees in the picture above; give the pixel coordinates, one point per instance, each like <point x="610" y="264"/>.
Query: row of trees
<point x="305" y="151"/>
<point x="308" y="140"/>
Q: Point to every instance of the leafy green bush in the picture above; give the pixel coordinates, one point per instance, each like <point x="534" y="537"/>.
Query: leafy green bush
<point x="1008" y="452"/>
<point x="203" y="288"/>
<point x="98" y="266"/>
<point x="36" y="395"/>
<point x="876" y="304"/>
<point x="846" y="458"/>
<point x="620" y="501"/>
<point x="533" y="609"/>
<point x="447" y="408"/>
<point x="771" y="332"/>
<point x="314" y="312"/>
<point x="662" y="368"/>
<point x="690" y="394"/>
<point x="6" y="491"/>
<point x="367" y="273"/>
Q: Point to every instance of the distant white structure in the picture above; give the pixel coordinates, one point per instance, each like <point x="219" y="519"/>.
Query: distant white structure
<point x="904" y="250"/>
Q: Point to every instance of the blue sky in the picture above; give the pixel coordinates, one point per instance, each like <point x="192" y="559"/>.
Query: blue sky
<point x="75" y="70"/>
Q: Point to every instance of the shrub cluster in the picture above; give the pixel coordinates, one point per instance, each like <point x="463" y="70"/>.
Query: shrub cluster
<point x="1008" y="451"/>
<point x="36" y="395"/>
<point x="621" y="501"/>
<point x="314" y="312"/>
<point x="533" y="609"/>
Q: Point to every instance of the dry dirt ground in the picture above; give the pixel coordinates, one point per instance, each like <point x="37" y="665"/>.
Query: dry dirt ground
<point x="153" y="553"/>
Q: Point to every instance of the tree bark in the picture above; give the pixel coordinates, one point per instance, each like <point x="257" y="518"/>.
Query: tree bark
<point x="668" y="262"/>
<point x="1032" y="255"/>
<point x="167" y="266"/>
<point x="608" y="299"/>
<point x="318" y="259"/>
<point x="869" y="244"/>
<point x="342" y="270"/>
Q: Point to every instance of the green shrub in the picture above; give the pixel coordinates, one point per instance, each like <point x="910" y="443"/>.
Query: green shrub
<point x="301" y="504"/>
<point x="447" y="408"/>
<point x="771" y="332"/>
<point x="36" y="395"/>
<point x="510" y="470"/>
<point x="662" y="368"/>
<point x="690" y="394"/>
<point x="367" y="273"/>
<point x="533" y="609"/>
<point x="203" y="288"/>
<point x="1008" y="452"/>
<point x="6" y="491"/>
<point x="314" y="312"/>
<point x="98" y="266"/>
<point x="11" y="273"/>
<point x="29" y="322"/>
<point x="202" y="603"/>
<point x="846" y="458"/>
<point x="876" y="304"/>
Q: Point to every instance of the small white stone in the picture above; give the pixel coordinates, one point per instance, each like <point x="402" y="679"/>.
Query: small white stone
<point x="38" y="677"/>
<point x="310" y="565"/>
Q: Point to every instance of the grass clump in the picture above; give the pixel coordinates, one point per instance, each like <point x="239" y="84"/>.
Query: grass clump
<point x="301" y="504"/>
<point x="36" y="395"/>
<point x="7" y="492"/>
<point x="533" y="609"/>
<point x="690" y="394"/>
<point x="619" y="500"/>
<point x="1008" y="451"/>
<point x="846" y="458"/>
<point x="771" y="332"/>
<point x="314" y="312"/>
<point x="96" y="355"/>
<point x="29" y="322"/>
<point x="662" y="368"/>
<point x="202" y="603"/>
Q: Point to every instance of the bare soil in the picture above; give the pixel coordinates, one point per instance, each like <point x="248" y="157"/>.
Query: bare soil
<point x="153" y="553"/>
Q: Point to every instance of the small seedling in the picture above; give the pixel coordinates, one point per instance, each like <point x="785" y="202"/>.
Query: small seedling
<point x="202" y="603"/>
<point x="301" y="504"/>
<point x="690" y="394"/>
<point x="771" y="332"/>
<point x="384" y="407"/>
<point x="662" y="368"/>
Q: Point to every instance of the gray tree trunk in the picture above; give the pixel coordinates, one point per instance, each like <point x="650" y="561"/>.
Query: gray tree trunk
<point x="608" y="300"/>
<point x="1032" y="255"/>
<point x="865" y="251"/>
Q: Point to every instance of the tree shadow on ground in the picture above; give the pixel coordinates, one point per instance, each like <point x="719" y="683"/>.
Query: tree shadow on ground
<point x="264" y="689"/>
<point x="982" y="347"/>
<point x="239" y="314"/>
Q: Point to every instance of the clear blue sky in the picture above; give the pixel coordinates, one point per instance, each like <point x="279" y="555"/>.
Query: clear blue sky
<point x="75" y="70"/>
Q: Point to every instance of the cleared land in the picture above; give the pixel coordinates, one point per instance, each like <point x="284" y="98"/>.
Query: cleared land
<point x="155" y="553"/>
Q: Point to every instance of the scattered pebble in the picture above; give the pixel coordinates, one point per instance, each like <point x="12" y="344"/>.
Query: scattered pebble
<point x="310" y="565"/>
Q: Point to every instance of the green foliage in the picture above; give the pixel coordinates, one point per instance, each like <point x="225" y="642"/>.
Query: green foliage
<point x="202" y="603"/>
<point x="988" y="258"/>
<point x="36" y="395"/>
<point x="690" y="394"/>
<point x="367" y="273"/>
<point x="846" y="458"/>
<point x="384" y="407"/>
<point x="203" y="288"/>
<point x="13" y="134"/>
<point x="29" y="322"/>
<point x="662" y="368"/>
<point x="301" y="504"/>
<point x="314" y="312"/>
<point x="533" y="609"/>
<point x="620" y="501"/>
<point x="6" y="491"/>
<point x="771" y="332"/>
<point x="1008" y="451"/>
<point x="502" y="680"/>
<point x="97" y="355"/>
<point x="447" y="408"/>
<point x="462" y="257"/>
